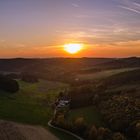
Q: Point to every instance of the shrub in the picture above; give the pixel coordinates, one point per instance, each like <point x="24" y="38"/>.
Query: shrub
<point x="118" y="136"/>
<point x="60" y="120"/>
<point x="93" y="133"/>
<point x="104" y="134"/>
<point x="8" y="84"/>
<point x="138" y="130"/>
<point x="80" y="126"/>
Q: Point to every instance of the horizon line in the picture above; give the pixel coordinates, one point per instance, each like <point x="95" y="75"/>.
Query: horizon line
<point x="68" y="57"/>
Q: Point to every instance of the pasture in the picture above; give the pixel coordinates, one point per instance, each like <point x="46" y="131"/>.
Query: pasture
<point x="102" y="74"/>
<point x="31" y="105"/>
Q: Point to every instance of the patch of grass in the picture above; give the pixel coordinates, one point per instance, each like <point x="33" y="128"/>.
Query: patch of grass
<point x="23" y="112"/>
<point x="90" y="114"/>
<point x="26" y="105"/>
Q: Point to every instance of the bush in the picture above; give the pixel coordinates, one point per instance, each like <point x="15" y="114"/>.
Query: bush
<point x="138" y="130"/>
<point x="104" y="134"/>
<point x="60" y="120"/>
<point x="80" y="126"/>
<point x="8" y="84"/>
<point x="118" y="136"/>
<point x="93" y="133"/>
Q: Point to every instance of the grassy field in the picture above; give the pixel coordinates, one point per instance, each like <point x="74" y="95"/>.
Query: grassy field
<point x="31" y="104"/>
<point x="90" y="114"/>
<point x="102" y="74"/>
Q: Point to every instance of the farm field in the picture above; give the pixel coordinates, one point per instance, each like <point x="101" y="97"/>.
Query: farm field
<point x="31" y="104"/>
<point x="102" y="74"/>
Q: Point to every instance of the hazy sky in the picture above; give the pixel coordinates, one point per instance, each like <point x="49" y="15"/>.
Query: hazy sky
<point x="39" y="28"/>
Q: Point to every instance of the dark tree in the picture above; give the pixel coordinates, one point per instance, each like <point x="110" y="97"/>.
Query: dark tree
<point x="8" y="84"/>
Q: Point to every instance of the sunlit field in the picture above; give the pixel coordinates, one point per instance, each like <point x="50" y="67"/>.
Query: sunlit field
<point x="102" y="74"/>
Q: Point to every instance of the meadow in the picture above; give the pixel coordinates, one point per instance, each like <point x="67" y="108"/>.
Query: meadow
<point x="102" y="74"/>
<point x="31" y="104"/>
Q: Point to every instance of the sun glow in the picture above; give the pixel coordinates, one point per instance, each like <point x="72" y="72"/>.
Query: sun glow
<point x="73" y="48"/>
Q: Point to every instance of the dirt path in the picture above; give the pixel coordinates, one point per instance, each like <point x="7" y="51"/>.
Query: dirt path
<point x="15" y="131"/>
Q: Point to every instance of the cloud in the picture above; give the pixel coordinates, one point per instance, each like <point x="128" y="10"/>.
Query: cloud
<point x="20" y="45"/>
<point x="137" y="4"/>
<point x="75" y="5"/>
<point x="132" y="43"/>
<point x="130" y="9"/>
<point x="130" y="6"/>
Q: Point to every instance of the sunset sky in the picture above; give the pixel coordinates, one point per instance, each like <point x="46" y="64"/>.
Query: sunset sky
<point x="40" y="28"/>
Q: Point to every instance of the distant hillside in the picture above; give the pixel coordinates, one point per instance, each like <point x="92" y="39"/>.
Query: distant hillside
<point x="65" y="69"/>
<point x="131" y="62"/>
<point x="128" y="77"/>
<point x="121" y="63"/>
<point x="21" y="64"/>
<point x="16" y="65"/>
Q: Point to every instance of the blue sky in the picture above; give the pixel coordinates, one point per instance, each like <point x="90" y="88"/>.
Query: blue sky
<point x="28" y="25"/>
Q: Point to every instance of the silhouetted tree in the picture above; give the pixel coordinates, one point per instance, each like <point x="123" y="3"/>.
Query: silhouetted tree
<point x="8" y="84"/>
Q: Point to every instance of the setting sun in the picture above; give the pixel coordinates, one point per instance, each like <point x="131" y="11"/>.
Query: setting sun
<point x="73" y="48"/>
